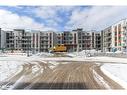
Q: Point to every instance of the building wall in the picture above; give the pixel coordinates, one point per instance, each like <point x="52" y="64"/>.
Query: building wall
<point x="119" y="37"/>
<point x="75" y="40"/>
<point x="84" y="40"/>
<point x="114" y="37"/>
<point x="43" y="40"/>
<point x="102" y="40"/>
<point x="35" y="42"/>
<point x="96" y="40"/>
<point x="18" y="39"/>
<point x="107" y="39"/>
<point x="68" y="39"/>
<point x="2" y="39"/>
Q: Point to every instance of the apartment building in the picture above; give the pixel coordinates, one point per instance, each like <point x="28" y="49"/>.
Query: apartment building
<point x="119" y="35"/>
<point x="114" y="38"/>
<point x="68" y="39"/>
<point x="75" y="40"/>
<point x="18" y="39"/>
<point x="96" y="40"/>
<point x="22" y="40"/>
<point x="43" y="40"/>
<point x="2" y="39"/>
<point x="107" y="39"/>
<point x="83" y="39"/>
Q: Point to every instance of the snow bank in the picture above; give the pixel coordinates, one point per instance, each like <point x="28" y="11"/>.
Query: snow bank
<point x="12" y="54"/>
<point x="83" y="53"/>
<point x="43" y="54"/>
<point x="117" y="72"/>
<point x="109" y="59"/>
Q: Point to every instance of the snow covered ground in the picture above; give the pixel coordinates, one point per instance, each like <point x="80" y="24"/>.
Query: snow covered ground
<point x="117" y="72"/>
<point x="9" y="69"/>
<point x="115" y="68"/>
<point x="11" y="64"/>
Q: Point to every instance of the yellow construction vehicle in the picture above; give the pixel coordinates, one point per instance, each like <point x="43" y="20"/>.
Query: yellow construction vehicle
<point x="58" y="48"/>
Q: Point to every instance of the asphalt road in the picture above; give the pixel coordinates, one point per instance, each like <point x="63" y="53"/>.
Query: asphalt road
<point x="72" y="75"/>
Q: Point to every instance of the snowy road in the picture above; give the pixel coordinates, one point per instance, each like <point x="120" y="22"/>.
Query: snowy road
<point x="60" y="75"/>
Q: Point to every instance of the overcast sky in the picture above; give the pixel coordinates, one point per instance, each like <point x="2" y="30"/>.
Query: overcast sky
<point x="60" y="18"/>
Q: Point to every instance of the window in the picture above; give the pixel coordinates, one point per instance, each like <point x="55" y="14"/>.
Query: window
<point x="115" y="38"/>
<point x="115" y="44"/>
<point x="79" y="41"/>
<point x="115" y="33"/>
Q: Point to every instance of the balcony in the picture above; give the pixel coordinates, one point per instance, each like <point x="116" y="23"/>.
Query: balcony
<point x="108" y="39"/>
<point x="119" y="35"/>
<point x="124" y="27"/>
<point x="109" y="45"/>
